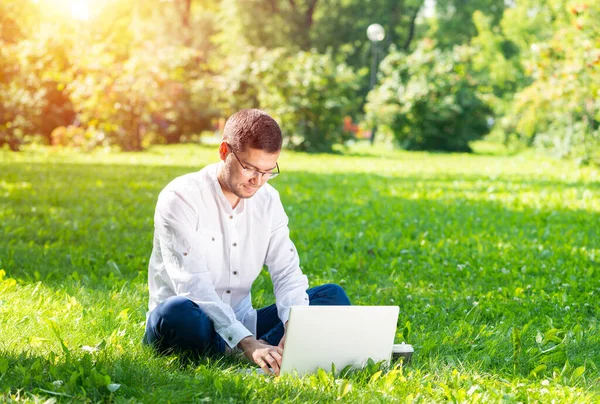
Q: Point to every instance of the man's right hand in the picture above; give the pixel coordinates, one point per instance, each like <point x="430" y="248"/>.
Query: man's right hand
<point x="264" y="355"/>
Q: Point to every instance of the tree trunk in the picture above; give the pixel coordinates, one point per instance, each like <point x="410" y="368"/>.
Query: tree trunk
<point x="309" y="14"/>
<point x="185" y="13"/>
<point x="396" y="12"/>
<point x="274" y="6"/>
<point x="411" y="31"/>
<point x="186" y="9"/>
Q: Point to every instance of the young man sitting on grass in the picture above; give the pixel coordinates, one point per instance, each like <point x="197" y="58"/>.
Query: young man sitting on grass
<point x="214" y="231"/>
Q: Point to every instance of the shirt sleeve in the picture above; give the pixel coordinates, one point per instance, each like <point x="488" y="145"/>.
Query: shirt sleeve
<point x="289" y="283"/>
<point x="176" y="225"/>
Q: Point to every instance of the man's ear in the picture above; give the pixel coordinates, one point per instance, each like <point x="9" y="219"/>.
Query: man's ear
<point x="223" y="148"/>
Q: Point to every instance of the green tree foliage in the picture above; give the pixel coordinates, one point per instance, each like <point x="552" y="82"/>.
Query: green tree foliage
<point x="533" y="21"/>
<point x="325" y="25"/>
<point x="452" y="23"/>
<point x="498" y="65"/>
<point x="541" y="71"/>
<point x="429" y="99"/>
<point x="560" y="110"/>
<point x="337" y="27"/>
<point x="307" y="92"/>
<point x="341" y="25"/>
<point x="496" y="58"/>
<point x="266" y="23"/>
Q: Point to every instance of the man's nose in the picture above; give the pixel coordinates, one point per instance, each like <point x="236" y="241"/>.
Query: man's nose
<point x="257" y="179"/>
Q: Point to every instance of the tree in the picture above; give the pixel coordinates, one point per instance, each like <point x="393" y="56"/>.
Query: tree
<point x="337" y="27"/>
<point x="498" y="63"/>
<point x="452" y="23"/>
<point x="560" y="110"/>
<point x="267" y="23"/>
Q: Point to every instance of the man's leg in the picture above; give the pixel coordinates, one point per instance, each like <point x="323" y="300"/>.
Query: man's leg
<point x="270" y="328"/>
<point x="178" y="324"/>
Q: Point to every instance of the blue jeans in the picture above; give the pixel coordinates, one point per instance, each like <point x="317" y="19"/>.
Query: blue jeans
<point x="178" y="324"/>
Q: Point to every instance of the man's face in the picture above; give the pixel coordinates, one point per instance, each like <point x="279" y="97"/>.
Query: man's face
<point x="239" y="184"/>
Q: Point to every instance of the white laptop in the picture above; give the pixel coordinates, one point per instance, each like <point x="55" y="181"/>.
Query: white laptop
<point x="319" y="336"/>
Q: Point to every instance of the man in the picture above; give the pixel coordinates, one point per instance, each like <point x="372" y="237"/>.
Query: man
<point x="214" y="231"/>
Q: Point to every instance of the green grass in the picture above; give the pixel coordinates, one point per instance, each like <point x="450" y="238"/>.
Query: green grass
<point x="494" y="261"/>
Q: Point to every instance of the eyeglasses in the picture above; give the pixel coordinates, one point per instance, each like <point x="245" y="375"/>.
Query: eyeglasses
<point x="250" y="172"/>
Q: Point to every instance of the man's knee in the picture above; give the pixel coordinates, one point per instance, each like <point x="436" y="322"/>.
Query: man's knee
<point x="179" y="323"/>
<point x="175" y="308"/>
<point x="330" y="294"/>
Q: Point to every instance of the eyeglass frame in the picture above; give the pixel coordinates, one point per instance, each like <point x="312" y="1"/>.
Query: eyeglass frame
<point x="254" y="172"/>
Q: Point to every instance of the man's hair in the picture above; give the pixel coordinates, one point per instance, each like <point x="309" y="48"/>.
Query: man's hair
<point x="252" y="128"/>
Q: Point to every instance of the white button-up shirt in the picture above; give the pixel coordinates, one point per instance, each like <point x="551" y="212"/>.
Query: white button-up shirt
<point x="210" y="253"/>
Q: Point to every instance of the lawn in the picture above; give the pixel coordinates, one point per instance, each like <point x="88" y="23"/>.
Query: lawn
<point x="494" y="261"/>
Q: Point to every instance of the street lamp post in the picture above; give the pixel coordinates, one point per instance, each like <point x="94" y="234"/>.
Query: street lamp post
<point x="375" y="33"/>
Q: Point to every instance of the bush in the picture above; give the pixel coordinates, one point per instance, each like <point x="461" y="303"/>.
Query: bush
<point x="307" y="92"/>
<point x="91" y="90"/>
<point x="429" y="99"/>
<point x="143" y="99"/>
<point x="33" y="100"/>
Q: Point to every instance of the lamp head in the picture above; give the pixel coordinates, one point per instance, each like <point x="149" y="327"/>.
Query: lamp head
<point x="375" y="33"/>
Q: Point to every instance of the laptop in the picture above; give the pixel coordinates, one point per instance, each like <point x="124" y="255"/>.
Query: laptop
<point x="319" y="336"/>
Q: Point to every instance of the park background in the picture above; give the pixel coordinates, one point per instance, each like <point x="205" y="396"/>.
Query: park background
<point x="475" y="207"/>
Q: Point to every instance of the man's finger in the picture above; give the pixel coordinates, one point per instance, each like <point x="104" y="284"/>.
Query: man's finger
<point x="264" y="366"/>
<point x="273" y="362"/>
<point x="277" y="357"/>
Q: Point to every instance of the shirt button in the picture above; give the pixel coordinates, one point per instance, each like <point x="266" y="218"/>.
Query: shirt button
<point x="228" y="291"/>
<point x="230" y="339"/>
<point x="235" y="272"/>
<point x="185" y="253"/>
<point x="213" y="239"/>
<point x="234" y="244"/>
<point x="231" y="217"/>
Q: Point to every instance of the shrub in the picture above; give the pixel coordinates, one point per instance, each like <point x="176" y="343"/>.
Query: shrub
<point x="429" y="99"/>
<point x="143" y="99"/>
<point x="307" y="92"/>
<point x="33" y="100"/>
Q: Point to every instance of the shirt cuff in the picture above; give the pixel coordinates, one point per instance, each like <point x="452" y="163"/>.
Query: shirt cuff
<point x="234" y="333"/>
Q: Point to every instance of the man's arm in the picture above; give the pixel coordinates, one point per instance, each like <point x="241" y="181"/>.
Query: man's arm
<point x="289" y="283"/>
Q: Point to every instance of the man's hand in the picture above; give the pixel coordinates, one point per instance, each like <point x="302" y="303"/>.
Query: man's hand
<point x="264" y="355"/>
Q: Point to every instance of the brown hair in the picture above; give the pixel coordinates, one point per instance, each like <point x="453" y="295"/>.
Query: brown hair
<point x="252" y="128"/>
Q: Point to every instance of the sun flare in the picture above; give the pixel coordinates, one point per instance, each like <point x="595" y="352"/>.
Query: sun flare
<point x="77" y="9"/>
<point x="80" y="9"/>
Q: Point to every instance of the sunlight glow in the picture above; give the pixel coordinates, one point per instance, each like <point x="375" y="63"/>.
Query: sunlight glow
<point x="80" y="9"/>
<point x="77" y="9"/>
